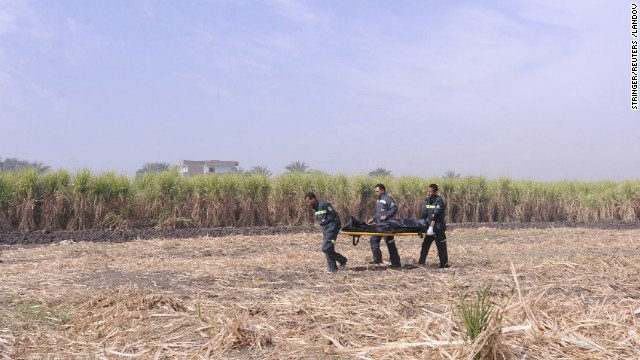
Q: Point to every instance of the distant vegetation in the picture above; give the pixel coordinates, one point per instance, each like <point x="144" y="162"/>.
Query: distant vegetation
<point x="298" y="167"/>
<point x="31" y="200"/>
<point x="259" y="170"/>
<point x="380" y="172"/>
<point x="14" y="164"/>
<point x="255" y="170"/>
<point x="153" y="167"/>
<point x="450" y="174"/>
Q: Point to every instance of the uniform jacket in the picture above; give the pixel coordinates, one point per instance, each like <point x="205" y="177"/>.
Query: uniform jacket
<point x="385" y="206"/>
<point x="326" y="214"/>
<point x="433" y="210"/>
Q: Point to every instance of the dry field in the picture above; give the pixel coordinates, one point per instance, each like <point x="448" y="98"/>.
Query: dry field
<point x="567" y="293"/>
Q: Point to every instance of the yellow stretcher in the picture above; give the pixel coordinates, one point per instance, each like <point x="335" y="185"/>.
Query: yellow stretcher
<point x="355" y="235"/>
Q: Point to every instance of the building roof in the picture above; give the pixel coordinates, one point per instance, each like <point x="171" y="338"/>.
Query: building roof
<point x="207" y="163"/>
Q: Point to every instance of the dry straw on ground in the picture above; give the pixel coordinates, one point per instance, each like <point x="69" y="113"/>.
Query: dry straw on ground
<point x="566" y="293"/>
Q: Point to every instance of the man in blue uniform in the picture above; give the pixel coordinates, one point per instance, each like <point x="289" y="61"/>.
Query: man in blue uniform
<point x="433" y="213"/>
<point x="330" y="221"/>
<point x="386" y="208"/>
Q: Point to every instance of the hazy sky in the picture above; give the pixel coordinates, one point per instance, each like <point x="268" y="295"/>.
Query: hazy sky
<point x="528" y="89"/>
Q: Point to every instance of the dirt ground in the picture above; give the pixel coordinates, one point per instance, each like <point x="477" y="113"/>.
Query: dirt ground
<point x="565" y="290"/>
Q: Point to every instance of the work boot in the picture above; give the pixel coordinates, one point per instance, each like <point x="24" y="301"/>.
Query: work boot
<point x="374" y="262"/>
<point x="444" y="266"/>
<point x="397" y="266"/>
<point x="343" y="265"/>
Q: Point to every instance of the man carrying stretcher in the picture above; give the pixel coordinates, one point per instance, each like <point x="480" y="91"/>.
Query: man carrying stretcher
<point x="386" y="208"/>
<point x="433" y="213"/>
<point x="431" y="226"/>
<point x="330" y="221"/>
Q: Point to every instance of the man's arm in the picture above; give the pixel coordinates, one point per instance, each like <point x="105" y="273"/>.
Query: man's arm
<point x="438" y="212"/>
<point x="323" y="213"/>
<point x="332" y="214"/>
<point x="425" y="213"/>
<point x="393" y="208"/>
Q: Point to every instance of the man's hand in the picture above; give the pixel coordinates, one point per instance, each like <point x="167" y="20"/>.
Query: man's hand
<point x="370" y="221"/>
<point x="383" y="217"/>
<point x="430" y="231"/>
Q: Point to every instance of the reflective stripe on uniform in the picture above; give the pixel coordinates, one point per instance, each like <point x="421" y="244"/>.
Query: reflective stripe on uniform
<point x="333" y="241"/>
<point x="321" y="212"/>
<point x="430" y="206"/>
<point x="382" y="201"/>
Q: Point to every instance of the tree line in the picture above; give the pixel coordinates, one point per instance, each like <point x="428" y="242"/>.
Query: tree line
<point x="299" y="167"/>
<point x="15" y="164"/>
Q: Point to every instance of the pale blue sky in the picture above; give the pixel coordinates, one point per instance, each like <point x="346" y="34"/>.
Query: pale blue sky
<point x="527" y="89"/>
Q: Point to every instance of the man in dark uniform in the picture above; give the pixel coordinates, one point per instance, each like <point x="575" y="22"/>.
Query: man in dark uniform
<point x="386" y="208"/>
<point x="433" y="213"/>
<point x="330" y="221"/>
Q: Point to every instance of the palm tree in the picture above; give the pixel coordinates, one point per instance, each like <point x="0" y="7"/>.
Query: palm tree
<point x="153" y="167"/>
<point x="41" y="168"/>
<point x="298" y="167"/>
<point x="259" y="170"/>
<point x="380" y="172"/>
<point x="450" y="174"/>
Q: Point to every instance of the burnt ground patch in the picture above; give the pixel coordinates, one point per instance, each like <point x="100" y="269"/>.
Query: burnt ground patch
<point x="40" y="237"/>
<point x="47" y="237"/>
<point x="600" y="224"/>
